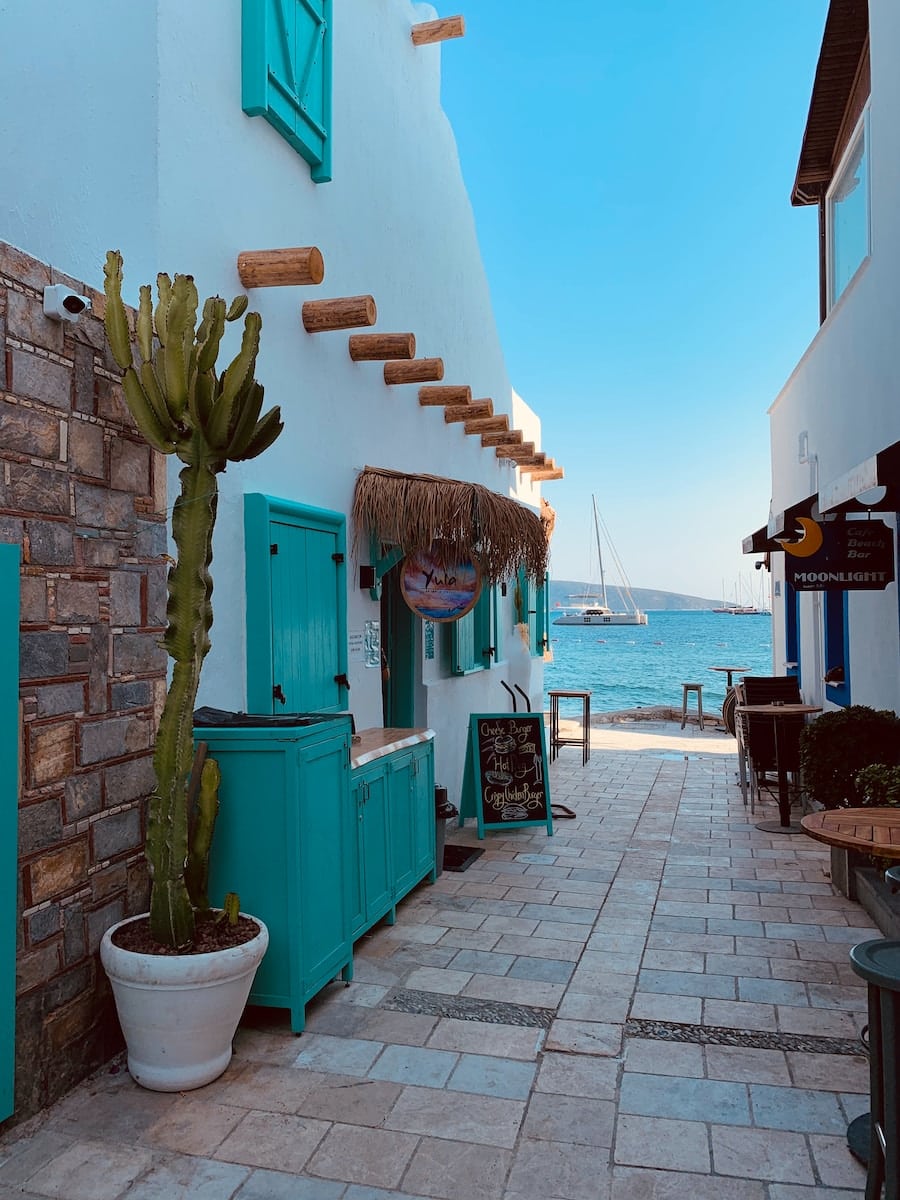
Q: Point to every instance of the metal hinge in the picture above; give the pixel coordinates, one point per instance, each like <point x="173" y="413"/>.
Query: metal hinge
<point x="278" y="694"/>
<point x="273" y="549"/>
<point x="338" y="558"/>
<point x="342" y="681"/>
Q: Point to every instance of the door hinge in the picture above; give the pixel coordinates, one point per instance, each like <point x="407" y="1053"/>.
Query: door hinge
<point x="342" y="681"/>
<point x="338" y="558"/>
<point x="278" y="694"/>
<point x="273" y="549"/>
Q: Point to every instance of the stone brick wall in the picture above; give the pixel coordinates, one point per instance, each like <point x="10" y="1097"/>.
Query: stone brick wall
<point x="84" y="497"/>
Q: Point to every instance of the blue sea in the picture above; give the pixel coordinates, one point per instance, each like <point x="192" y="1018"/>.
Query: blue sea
<point x="642" y="666"/>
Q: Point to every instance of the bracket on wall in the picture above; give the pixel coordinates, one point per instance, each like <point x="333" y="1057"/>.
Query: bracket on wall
<point x="382" y="559"/>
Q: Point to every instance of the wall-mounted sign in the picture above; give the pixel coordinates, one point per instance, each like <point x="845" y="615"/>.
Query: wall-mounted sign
<point x="436" y="590"/>
<point x="840" y="556"/>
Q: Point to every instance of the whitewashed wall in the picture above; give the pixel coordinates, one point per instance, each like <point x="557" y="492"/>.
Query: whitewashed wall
<point x="844" y="392"/>
<point x="135" y="138"/>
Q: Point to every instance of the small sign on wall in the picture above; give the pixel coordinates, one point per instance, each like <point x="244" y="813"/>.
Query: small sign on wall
<point x="355" y="646"/>
<point x="438" y="590"/>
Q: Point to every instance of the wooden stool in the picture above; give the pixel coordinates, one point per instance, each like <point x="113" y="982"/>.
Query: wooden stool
<point x="686" y="688"/>
<point x="584" y="741"/>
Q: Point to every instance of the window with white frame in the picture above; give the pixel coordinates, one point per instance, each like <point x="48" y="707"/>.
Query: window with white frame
<point x="848" y="220"/>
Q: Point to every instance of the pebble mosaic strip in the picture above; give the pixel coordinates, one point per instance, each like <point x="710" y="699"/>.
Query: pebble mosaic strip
<point x="717" y="1035"/>
<point x="465" y="1008"/>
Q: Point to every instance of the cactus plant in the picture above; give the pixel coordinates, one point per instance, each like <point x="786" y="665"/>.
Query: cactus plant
<point x="182" y="407"/>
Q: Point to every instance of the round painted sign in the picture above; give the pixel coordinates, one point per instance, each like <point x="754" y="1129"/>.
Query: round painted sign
<point x="438" y="592"/>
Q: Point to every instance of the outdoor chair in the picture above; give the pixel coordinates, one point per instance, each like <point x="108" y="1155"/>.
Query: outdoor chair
<point x="757" y="737"/>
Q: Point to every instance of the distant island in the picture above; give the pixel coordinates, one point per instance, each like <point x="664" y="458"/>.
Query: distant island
<point x="645" y="598"/>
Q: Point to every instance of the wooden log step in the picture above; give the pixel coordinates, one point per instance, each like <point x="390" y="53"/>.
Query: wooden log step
<point x="347" y="312"/>
<point x="541" y="462"/>
<point x="438" y="31"/>
<point x="418" y="370"/>
<point x="444" y="395"/>
<point x="544" y="474"/>
<point x="465" y="412"/>
<point x="487" y="423"/>
<point x="508" y="438"/>
<point x="379" y="347"/>
<point x="281" y="268"/>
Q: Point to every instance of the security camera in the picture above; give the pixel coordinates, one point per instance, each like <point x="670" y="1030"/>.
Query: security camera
<point x="63" y="304"/>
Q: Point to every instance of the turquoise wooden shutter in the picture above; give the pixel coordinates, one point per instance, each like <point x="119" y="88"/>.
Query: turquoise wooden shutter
<point x="471" y="638"/>
<point x="286" y="74"/>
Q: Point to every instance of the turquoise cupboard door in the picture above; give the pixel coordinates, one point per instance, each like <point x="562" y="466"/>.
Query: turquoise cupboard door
<point x="9" y="812"/>
<point x="305" y="652"/>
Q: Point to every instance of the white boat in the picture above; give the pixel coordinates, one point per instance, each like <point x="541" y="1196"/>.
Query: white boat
<point x="593" y="608"/>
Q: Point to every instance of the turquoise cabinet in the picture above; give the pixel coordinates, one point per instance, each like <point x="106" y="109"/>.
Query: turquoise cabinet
<point x="285" y="821"/>
<point x="394" y="848"/>
<point x="371" y="885"/>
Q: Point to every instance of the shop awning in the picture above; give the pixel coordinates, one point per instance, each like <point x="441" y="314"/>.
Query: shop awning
<point x="467" y="520"/>
<point x="880" y="470"/>
<point x="780" y="526"/>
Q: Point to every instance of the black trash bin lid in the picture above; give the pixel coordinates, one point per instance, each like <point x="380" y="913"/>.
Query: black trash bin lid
<point x="220" y="718"/>
<point x="878" y="962"/>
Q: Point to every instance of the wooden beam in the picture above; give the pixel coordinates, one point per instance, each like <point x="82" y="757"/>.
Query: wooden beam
<point x="545" y="473"/>
<point x="536" y="461"/>
<point x="281" y="268"/>
<point x="438" y="31"/>
<point x="429" y="396"/>
<point x="487" y="424"/>
<point x="348" y="312"/>
<point x="509" y="438"/>
<point x="378" y="347"/>
<point x="483" y="409"/>
<point x="525" y="450"/>
<point x="418" y="370"/>
<point x="541" y="461"/>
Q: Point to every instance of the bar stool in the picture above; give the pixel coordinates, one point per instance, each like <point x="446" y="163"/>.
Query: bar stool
<point x="686" y="689"/>
<point x="584" y="740"/>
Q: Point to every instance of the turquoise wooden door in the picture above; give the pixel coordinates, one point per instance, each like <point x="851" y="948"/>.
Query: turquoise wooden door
<point x="9" y="808"/>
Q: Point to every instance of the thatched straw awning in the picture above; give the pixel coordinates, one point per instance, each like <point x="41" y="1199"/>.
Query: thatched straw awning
<point x="467" y="520"/>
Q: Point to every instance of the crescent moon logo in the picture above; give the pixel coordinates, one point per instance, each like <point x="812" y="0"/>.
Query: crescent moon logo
<point x="809" y="543"/>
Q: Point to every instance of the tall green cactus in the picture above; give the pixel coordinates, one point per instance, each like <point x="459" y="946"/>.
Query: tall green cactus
<point x="183" y="407"/>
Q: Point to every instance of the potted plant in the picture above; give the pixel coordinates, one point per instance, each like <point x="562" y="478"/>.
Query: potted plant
<point x="838" y="745"/>
<point x="181" y="973"/>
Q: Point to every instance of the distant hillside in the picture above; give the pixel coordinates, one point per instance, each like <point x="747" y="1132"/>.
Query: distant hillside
<point x="645" y="598"/>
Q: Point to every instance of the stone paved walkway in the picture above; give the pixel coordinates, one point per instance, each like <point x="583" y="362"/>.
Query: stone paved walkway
<point x="653" y="1004"/>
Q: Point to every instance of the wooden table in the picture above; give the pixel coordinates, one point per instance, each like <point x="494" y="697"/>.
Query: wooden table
<point x="872" y="830"/>
<point x="729" y="671"/>
<point x="778" y="712"/>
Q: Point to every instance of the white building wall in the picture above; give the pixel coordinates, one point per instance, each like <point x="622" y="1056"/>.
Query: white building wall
<point x="143" y="122"/>
<point x="843" y="395"/>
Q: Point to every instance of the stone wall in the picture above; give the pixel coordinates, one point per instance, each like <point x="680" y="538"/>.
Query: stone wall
<point x="84" y="497"/>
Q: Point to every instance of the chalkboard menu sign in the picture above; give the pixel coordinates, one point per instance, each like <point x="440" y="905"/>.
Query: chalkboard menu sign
<point x="506" y="768"/>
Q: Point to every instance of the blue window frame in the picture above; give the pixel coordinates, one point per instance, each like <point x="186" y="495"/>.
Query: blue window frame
<point x="837" y="648"/>
<point x="791" y="629"/>
<point x="286" y="74"/>
<point x="533" y="609"/>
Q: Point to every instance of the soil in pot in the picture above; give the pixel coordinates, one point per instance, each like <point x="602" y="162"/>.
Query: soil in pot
<point x="210" y="935"/>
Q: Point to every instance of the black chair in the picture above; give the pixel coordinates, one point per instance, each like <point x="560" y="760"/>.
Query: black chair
<point x="758" y="732"/>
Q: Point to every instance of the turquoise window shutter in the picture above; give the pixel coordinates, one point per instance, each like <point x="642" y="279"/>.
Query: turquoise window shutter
<point x="471" y="644"/>
<point x="286" y="74"/>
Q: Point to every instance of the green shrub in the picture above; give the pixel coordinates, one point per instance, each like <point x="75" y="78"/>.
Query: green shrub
<point x="879" y="784"/>
<point x="836" y="747"/>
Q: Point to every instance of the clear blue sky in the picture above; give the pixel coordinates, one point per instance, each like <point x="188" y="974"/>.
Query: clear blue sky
<point x="630" y="168"/>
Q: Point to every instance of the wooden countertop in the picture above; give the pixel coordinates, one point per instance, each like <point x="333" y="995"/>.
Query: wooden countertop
<point x="376" y="743"/>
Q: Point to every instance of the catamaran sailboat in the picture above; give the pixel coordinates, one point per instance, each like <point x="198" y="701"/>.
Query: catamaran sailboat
<point x="593" y="609"/>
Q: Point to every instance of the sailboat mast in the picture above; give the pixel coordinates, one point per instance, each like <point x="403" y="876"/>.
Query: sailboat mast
<point x="599" y="554"/>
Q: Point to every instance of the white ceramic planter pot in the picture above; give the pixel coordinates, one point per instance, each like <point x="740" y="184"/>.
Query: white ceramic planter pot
<point x="179" y="1012"/>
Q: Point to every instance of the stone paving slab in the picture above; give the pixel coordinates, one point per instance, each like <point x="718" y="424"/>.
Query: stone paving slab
<point x="654" y="1003"/>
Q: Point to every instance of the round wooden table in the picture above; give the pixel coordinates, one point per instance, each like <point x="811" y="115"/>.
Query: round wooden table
<point x="872" y="830"/>
<point x="729" y="671"/>
<point x="778" y="711"/>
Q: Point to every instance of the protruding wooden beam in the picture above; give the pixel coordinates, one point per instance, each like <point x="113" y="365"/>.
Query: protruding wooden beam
<point x="545" y="474"/>
<point x="380" y="347"/>
<point x="418" y="370"/>
<point x="281" y="268"/>
<point x="535" y="460"/>
<point x="541" y="462"/>
<point x="525" y="450"/>
<point x="438" y="31"/>
<point x="348" y="312"/>
<point x="433" y="396"/>
<point x="509" y="438"/>
<point x="483" y="409"/>
<point x="488" y="424"/>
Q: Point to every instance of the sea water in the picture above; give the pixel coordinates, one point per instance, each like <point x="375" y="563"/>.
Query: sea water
<point x="642" y="666"/>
